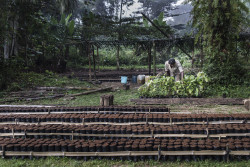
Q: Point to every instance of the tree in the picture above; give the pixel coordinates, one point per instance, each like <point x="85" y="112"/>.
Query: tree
<point x="219" y="23"/>
<point x="153" y="8"/>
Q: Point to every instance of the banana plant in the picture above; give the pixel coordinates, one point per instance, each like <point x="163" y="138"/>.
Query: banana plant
<point x="64" y="29"/>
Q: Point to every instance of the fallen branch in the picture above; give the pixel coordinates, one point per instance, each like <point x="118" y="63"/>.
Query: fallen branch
<point x="89" y="92"/>
<point x="65" y="88"/>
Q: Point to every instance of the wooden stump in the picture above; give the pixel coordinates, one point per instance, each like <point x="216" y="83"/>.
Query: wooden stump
<point x="247" y="104"/>
<point x="126" y="86"/>
<point x="106" y="100"/>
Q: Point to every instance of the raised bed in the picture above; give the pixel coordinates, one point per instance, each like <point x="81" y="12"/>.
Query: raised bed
<point x="192" y="101"/>
<point x="137" y="149"/>
<point x="135" y="131"/>
<point x="144" y="133"/>
<point x="83" y="109"/>
<point x="123" y="119"/>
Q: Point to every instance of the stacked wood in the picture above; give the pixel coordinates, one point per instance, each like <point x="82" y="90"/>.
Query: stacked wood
<point x="106" y="100"/>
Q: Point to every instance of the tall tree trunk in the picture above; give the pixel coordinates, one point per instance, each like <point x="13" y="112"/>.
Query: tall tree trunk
<point x="14" y="45"/>
<point x="66" y="57"/>
<point x="119" y="38"/>
<point x="7" y="42"/>
<point x="6" y="47"/>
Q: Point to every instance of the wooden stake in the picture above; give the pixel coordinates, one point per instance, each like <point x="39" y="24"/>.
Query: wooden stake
<point x="159" y="152"/>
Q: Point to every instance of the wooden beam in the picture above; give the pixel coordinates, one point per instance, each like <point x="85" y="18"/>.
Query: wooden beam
<point x="154" y="58"/>
<point x="149" y="60"/>
<point x="166" y="35"/>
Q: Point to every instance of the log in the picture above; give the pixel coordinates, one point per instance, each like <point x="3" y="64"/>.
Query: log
<point x="45" y="97"/>
<point x="192" y="101"/>
<point x="91" y="91"/>
<point x="25" y="106"/>
<point x="27" y="98"/>
<point x="65" y="88"/>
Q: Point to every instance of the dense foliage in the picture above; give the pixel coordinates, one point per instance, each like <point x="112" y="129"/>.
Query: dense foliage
<point x="190" y="86"/>
<point x="219" y="23"/>
<point x="56" y="34"/>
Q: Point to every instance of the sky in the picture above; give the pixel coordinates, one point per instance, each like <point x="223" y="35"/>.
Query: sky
<point x="181" y="8"/>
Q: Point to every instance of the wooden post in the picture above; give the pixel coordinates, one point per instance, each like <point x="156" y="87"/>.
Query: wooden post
<point x="149" y="59"/>
<point x="93" y="50"/>
<point x="97" y="52"/>
<point x="88" y="53"/>
<point x="154" y="58"/>
<point x="106" y="100"/>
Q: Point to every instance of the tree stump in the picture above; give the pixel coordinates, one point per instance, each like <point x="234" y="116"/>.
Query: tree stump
<point x="106" y="100"/>
<point x="126" y="86"/>
<point x="247" y="104"/>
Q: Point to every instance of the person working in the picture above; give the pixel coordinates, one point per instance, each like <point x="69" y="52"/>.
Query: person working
<point x="174" y="69"/>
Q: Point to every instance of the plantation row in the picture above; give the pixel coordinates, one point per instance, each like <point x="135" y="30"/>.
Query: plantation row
<point x="132" y="136"/>
<point x="122" y="118"/>
<point x="111" y="145"/>
<point x="83" y="108"/>
<point x="128" y="129"/>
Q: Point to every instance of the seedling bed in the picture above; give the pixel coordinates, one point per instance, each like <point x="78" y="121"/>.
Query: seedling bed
<point x="125" y="119"/>
<point x="84" y="109"/>
<point x="136" y="149"/>
<point x="141" y="131"/>
<point x="132" y="136"/>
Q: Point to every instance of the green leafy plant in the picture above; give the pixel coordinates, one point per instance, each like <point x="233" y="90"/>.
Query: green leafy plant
<point x="164" y="86"/>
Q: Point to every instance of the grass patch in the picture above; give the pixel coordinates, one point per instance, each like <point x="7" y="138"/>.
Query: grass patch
<point x="48" y="79"/>
<point x="121" y="97"/>
<point x="59" y="162"/>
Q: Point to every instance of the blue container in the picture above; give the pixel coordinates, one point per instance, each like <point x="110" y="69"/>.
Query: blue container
<point x="134" y="79"/>
<point x="124" y="79"/>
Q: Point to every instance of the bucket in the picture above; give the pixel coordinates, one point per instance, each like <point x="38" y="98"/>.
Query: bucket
<point x="141" y="79"/>
<point x="124" y="79"/>
<point x="134" y="79"/>
<point x="147" y="78"/>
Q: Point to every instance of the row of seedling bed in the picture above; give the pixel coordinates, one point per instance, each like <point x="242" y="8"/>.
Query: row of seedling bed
<point x="136" y="149"/>
<point x="125" y="118"/>
<point x="84" y="109"/>
<point x="79" y="130"/>
<point x="131" y="136"/>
